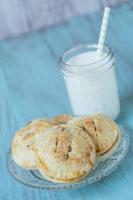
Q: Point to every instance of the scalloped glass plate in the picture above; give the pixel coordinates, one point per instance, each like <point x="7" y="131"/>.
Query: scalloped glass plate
<point x="102" y="169"/>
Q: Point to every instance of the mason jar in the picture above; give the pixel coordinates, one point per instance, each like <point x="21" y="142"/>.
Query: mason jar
<point x="90" y="80"/>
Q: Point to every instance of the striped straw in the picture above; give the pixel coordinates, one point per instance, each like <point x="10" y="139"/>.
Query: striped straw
<point x="103" y="31"/>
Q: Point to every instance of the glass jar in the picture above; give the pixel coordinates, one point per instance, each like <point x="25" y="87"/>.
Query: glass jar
<point x="90" y="80"/>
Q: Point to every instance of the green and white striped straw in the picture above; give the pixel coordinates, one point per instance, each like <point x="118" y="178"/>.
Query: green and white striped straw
<point x="103" y="31"/>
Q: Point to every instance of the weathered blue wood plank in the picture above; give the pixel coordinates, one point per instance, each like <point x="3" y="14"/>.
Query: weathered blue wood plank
<point x="31" y="86"/>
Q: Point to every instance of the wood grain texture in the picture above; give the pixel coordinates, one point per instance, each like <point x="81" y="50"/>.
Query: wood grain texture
<point x="31" y="86"/>
<point x="21" y="16"/>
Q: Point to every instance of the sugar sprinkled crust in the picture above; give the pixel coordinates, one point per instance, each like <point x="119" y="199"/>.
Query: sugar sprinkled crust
<point x="60" y="119"/>
<point x="77" y="121"/>
<point x="87" y="124"/>
<point x="110" y="151"/>
<point x="23" y="143"/>
<point x="103" y="131"/>
<point x="64" y="149"/>
<point x="65" y="154"/>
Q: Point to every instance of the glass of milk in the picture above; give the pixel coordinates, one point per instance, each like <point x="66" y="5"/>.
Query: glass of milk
<point x="90" y="80"/>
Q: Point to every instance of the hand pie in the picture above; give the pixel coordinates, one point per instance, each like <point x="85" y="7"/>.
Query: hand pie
<point x="23" y="143"/>
<point x="105" y="134"/>
<point x="65" y="154"/>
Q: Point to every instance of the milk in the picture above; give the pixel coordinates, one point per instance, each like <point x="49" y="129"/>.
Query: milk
<point x="91" y="84"/>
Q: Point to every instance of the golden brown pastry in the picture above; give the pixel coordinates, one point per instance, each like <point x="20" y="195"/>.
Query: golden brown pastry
<point x="60" y="119"/>
<point x="77" y="121"/>
<point x="23" y="143"/>
<point x="65" y="154"/>
<point x="105" y="134"/>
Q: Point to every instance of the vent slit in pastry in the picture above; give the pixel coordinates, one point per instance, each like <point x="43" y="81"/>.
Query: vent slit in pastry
<point x="23" y="143"/>
<point x="83" y="128"/>
<point x="97" y="136"/>
<point x="74" y="158"/>
<point x="67" y="156"/>
<point x="69" y="148"/>
<point x="56" y="145"/>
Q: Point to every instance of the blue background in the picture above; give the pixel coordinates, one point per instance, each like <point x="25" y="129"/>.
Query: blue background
<point x="31" y="86"/>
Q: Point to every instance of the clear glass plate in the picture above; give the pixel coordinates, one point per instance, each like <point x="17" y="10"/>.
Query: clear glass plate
<point x="102" y="169"/>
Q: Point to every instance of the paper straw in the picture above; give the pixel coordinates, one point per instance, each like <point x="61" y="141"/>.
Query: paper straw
<point x="103" y="31"/>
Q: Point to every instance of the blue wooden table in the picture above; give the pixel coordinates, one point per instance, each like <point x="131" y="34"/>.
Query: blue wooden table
<point x="31" y="86"/>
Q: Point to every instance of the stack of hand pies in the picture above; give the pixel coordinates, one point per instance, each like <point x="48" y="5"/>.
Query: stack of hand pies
<point x="65" y="148"/>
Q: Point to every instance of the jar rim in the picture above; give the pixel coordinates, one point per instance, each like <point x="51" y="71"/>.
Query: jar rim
<point x="84" y="45"/>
